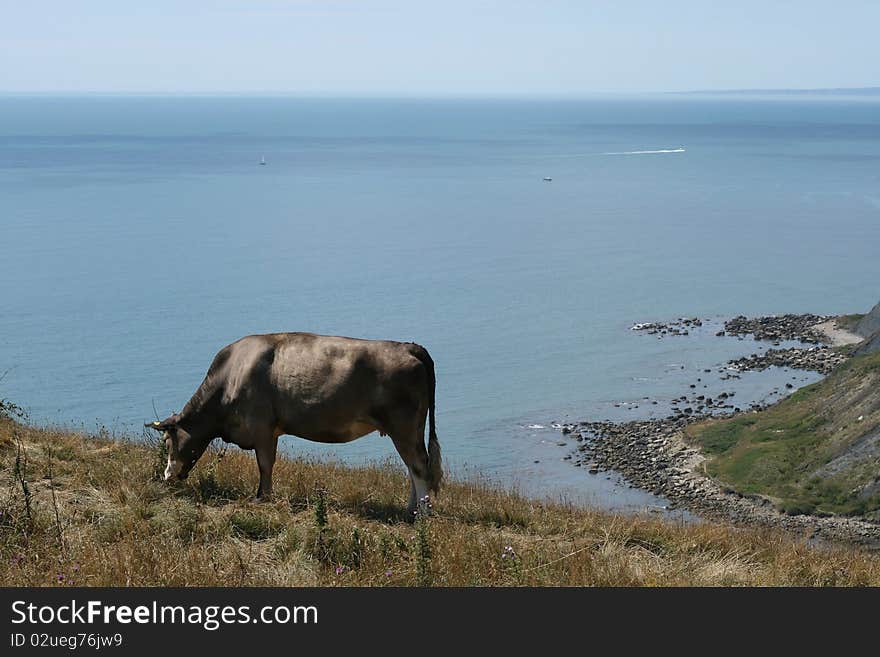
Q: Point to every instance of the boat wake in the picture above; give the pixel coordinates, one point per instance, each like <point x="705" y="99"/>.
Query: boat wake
<point x="664" y="150"/>
<point x="560" y="156"/>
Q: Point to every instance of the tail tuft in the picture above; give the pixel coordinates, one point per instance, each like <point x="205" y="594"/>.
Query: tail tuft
<point x="435" y="462"/>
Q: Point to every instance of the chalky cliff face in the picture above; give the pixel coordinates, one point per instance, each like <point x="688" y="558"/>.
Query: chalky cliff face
<point x="869" y="325"/>
<point x="869" y="328"/>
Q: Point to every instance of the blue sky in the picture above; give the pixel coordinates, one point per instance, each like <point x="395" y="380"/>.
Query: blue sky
<point x="411" y="47"/>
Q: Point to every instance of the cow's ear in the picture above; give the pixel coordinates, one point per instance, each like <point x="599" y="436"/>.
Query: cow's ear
<point x="165" y="425"/>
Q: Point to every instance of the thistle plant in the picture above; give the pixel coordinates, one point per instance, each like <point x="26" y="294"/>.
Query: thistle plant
<point x="511" y="562"/>
<point x="161" y="451"/>
<point x="20" y="472"/>
<point x="423" y="544"/>
<point x="320" y="509"/>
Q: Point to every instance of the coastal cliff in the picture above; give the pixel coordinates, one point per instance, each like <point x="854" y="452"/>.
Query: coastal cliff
<point x="817" y="451"/>
<point x="869" y="325"/>
<point x="810" y="462"/>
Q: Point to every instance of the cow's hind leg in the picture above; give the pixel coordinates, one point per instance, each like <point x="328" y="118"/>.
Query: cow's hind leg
<point x="413" y="498"/>
<point x="410" y="444"/>
<point x="266" y="450"/>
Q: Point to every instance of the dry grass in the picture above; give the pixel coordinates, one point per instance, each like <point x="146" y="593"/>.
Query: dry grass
<point x="330" y="525"/>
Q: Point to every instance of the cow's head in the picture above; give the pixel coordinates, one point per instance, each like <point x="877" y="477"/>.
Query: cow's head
<point x="182" y="447"/>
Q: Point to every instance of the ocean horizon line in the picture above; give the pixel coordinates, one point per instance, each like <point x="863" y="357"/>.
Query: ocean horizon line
<point x="867" y="91"/>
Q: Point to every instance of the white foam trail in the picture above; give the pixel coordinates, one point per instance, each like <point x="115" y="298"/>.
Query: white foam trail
<point x="561" y="156"/>
<point x="664" y="150"/>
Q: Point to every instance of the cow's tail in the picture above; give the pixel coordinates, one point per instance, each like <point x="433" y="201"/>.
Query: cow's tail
<point x="435" y="462"/>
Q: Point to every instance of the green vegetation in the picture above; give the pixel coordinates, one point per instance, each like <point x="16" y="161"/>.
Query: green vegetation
<point x="88" y="510"/>
<point x="814" y="452"/>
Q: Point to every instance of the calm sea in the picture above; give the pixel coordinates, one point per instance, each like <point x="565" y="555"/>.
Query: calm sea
<point x="141" y="234"/>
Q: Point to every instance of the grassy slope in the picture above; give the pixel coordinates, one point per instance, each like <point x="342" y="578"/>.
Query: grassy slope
<point x="780" y="452"/>
<point x="118" y="525"/>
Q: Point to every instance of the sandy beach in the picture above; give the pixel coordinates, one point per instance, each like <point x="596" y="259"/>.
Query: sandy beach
<point x="837" y="337"/>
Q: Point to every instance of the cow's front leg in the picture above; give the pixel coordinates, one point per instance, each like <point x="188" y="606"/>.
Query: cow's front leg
<point x="266" y="461"/>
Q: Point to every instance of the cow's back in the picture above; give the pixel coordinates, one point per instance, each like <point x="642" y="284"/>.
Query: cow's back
<point x="320" y="386"/>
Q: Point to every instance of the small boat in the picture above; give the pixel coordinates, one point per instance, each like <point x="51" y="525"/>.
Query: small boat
<point x="263" y="161"/>
<point x="547" y="179"/>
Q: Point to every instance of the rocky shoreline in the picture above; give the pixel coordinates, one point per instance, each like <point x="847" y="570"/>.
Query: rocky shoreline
<point x="806" y="329"/>
<point x="681" y="326"/>
<point x="816" y="359"/>
<point x="803" y="328"/>
<point x="655" y="456"/>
